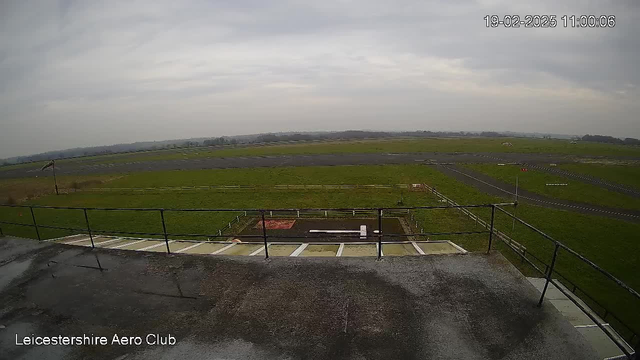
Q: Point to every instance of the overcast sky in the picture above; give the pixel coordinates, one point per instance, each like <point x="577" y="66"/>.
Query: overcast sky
<point x="95" y="73"/>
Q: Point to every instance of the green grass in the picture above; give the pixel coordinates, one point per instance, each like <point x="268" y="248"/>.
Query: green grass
<point x="609" y="243"/>
<point x="621" y="174"/>
<point x="448" y="145"/>
<point x="535" y="181"/>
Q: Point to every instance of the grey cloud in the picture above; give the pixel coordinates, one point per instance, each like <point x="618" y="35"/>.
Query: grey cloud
<point x="75" y="70"/>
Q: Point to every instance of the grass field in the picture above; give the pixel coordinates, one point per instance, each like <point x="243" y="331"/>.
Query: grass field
<point x="608" y="242"/>
<point x="445" y="145"/>
<point x="576" y="190"/>
<point x="621" y="174"/>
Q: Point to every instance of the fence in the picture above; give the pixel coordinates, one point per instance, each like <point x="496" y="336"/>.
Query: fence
<point x="378" y="213"/>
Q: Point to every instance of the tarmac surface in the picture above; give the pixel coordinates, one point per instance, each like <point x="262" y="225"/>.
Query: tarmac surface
<point x="430" y="307"/>
<point x="496" y="187"/>
<point x="88" y="168"/>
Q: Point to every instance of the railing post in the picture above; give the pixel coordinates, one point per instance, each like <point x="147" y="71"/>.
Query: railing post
<point x="493" y="215"/>
<point x="33" y="216"/>
<point x="264" y="235"/>
<point x="164" y="229"/>
<point x="379" y="234"/>
<point x="1" y="233"/>
<point x="549" y="272"/>
<point x="86" y="219"/>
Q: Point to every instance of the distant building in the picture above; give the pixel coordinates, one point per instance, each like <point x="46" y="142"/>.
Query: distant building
<point x="507" y="144"/>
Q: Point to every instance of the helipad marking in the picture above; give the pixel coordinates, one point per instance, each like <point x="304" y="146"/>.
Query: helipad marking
<point x="156" y="245"/>
<point x="299" y="250"/>
<point x="190" y="247"/>
<point x="223" y="249"/>
<point x="418" y="249"/>
<point x="340" y="249"/>
<point x="127" y="244"/>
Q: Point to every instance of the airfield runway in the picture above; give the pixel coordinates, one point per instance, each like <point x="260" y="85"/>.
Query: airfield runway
<point x="495" y="187"/>
<point x="89" y="168"/>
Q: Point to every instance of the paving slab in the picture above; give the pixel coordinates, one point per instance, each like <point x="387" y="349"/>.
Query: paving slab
<point x="206" y="248"/>
<point x="359" y="250"/>
<point x="241" y="249"/>
<point x="399" y="250"/>
<point x="438" y="248"/>
<point x="280" y="250"/>
<point x="320" y="250"/>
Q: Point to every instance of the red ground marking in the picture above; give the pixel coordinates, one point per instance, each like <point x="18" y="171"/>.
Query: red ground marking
<point x="276" y="224"/>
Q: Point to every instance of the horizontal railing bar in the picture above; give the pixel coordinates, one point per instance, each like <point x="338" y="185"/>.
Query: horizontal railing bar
<point x="257" y="210"/>
<point x="573" y="252"/>
<point x="19" y="224"/>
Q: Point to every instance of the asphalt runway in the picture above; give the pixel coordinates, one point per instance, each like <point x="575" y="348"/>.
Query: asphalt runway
<point x="495" y="187"/>
<point x="80" y="168"/>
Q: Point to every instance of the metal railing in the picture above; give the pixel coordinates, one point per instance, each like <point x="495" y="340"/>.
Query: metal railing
<point x="550" y="270"/>
<point x="379" y="213"/>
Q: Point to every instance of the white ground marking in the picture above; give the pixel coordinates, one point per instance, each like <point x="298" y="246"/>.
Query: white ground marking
<point x="340" y="249"/>
<point x="76" y="241"/>
<point x="223" y="249"/>
<point x="107" y="242"/>
<point x="127" y="244"/>
<point x="590" y="325"/>
<point x="418" y="249"/>
<point x="457" y="247"/>
<point x="258" y="251"/>
<point x="190" y="247"/>
<point x="156" y="245"/>
<point x="299" y="250"/>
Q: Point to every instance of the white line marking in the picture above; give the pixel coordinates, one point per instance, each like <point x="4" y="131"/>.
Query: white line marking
<point x="340" y="249"/>
<point x="107" y="242"/>
<point x="418" y="249"/>
<point x="457" y="247"/>
<point x="155" y="246"/>
<point x="77" y="241"/>
<point x="299" y="250"/>
<point x="590" y="325"/>
<point x="127" y="244"/>
<point x="258" y="251"/>
<point x="223" y="249"/>
<point x="189" y="247"/>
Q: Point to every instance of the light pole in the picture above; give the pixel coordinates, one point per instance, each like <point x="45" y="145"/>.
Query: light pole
<point x="52" y="163"/>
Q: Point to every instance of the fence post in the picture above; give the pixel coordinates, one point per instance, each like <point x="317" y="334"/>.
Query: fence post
<point x="379" y="234"/>
<point x="493" y="215"/>
<point x="264" y="235"/>
<point x="164" y="229"/>
<point x="549" y="272"/>
<point x="86" y="219"/>
<point x="33" y="216"/>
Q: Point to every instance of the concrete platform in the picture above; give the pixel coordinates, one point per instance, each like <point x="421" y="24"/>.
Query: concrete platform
<point x="245" y="307"/>
<point x="604" y="346"/>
